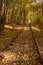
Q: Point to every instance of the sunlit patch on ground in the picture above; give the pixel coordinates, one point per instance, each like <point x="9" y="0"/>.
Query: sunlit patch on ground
<point x="8" y="56"/>
<point x="21" y="27"/>
<point x="8" y="26"/>
<point x="16" y="27"/>
<point x="37" y="29"/>
<point x="26" y="28"/>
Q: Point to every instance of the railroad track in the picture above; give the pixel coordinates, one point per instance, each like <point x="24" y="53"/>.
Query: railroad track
<point x="37" y="45"/>
<point x="17" y="32"/>
<point x="38" y="37"/>
<point x="25" y="48"/>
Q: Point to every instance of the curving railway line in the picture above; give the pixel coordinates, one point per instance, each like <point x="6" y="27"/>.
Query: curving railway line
<point x="25" y="48"/>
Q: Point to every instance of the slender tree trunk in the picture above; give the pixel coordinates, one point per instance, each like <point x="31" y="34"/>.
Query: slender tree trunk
<point x="2" y="17"/>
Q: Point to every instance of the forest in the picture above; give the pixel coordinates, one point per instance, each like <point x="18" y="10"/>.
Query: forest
<point x="20" y="12"/>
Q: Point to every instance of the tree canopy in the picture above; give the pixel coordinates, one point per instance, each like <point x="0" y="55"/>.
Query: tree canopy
<point x="20" y="12"/>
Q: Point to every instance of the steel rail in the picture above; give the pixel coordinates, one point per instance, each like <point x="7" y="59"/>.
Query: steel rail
<point x="37" y="45"/>
<point x="5" y="46"/>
